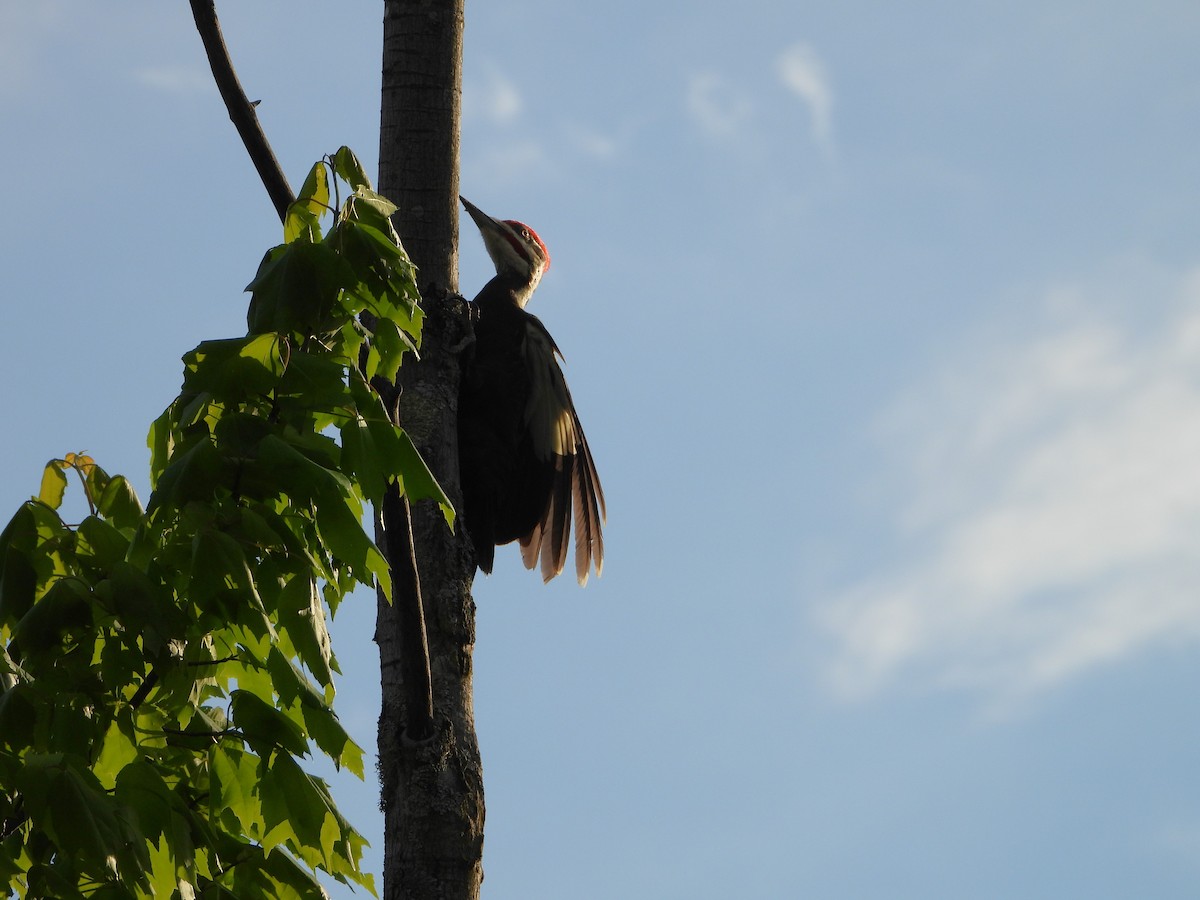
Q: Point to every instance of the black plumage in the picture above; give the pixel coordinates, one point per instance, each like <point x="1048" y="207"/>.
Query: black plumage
<point x="527" y="472"/>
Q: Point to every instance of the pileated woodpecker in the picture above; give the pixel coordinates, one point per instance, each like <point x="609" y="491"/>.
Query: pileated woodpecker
<point x="524" y="461"/>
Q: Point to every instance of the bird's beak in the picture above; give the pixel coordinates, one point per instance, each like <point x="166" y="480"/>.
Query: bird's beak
<point x="485" y="222"/>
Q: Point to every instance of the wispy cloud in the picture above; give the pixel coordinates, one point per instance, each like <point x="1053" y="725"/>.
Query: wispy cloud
<point x="718" y="107"/>
<point x="492" y="105"/>
<point x="493" y="97"/>
<point x="176" y="79"/>
<point x="1053" y="508"/>
<point x="515" y="147"/>
<point x="803" y="73"/>
<point x="507" y="162"/>
<point x="595" y="144"/>
<point x="728" y="112"/>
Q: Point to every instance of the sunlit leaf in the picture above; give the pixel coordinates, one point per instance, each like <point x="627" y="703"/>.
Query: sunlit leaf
<point x="54" y="486"/>
<point x="235" y="785"/>
<point x="235" y="368"/>
<point x="119" y="503"/>
<point x="311" y="203"/>
<point x="349" y="169"/>
<point x="117" y="751"/>
<point x="303" y="616"/>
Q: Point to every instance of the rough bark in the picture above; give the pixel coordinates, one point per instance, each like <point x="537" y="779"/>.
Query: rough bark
<point x="432" y="786"/>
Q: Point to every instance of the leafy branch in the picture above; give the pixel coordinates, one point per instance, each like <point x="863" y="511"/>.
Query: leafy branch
<point x="164" y="670"/>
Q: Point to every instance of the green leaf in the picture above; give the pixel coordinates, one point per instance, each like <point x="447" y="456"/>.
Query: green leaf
<point x="145" y="607"/>
<point x="303" y="617"/>
<point x="341" y="528"/>
<point x="218" y="562"/>
<point x="373" y="254"/>
<point x="160" y="811"/>
<point x="265" y="727"/>
<point x="194" y="474"/>
<point x="296" y="288"/>
<point x="349" y="169"/>
<point x="297" y="474"/>
<point x="161" y="441"/>
<point x="379" y="205"/>
<point x="59" y="880"/>
<point x="391" y="451"/>
<point x="99" y="544"/>
<point x="64" y="608"/>
<point x="314" y="193"/>
<point x="289" y="682"/>
<point x="236" y="368"/>
<point x="292" y="796"/>
<point x="317" y="381"/>
<point x="332" y="738"/>
<point x="303" y="216"/>
<point x="162" y="874"/>
<point x="54" y="485"/>
<point x="320" y="720"/>
<point x="222" y="582"/>
<point x="139" y="786"/>
<point x="286" y="880"/>
<point x="19" y="707"/>
<point x="18" y="579"/>
<point x="116" y="752"/>
<point x="235" y="786"/>
<point x="119" y="503"/>
<point x="95" y="478"/>
<point x="71" y="807"/>
<point x="391" y="344"/>
<point x="418" y="481"/>
<point x="361" y="459"/>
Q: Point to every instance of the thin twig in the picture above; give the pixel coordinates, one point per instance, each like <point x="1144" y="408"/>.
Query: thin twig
<point x="396" y="516"/>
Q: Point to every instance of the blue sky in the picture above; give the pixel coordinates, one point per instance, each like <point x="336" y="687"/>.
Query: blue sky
<point x="884" y="324"/>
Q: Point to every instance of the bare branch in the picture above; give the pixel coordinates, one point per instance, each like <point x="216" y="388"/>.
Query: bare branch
<point x="241" y="110"/>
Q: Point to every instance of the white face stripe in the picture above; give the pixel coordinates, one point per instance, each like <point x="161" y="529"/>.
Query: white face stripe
<point x="520" y="246"/>
<point x="529" y="240"/>
<point x="511" y="251"/>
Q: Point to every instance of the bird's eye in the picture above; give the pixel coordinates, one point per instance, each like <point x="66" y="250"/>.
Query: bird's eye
<point x="525" y="234"/>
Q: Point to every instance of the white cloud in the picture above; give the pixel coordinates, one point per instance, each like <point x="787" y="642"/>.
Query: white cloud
<point x="595" y="144"/>
<point x="803" y="73"/>
<point x="1053" y="498"/>
<point x="506" y="162"/>
<point x="176" y="79"/>
<point x="495" y="99"/>
<point x="717" y="107"/>
<point x="727" y="112"/>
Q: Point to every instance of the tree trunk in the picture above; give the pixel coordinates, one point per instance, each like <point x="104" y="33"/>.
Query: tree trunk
<point x="432" y="786"/>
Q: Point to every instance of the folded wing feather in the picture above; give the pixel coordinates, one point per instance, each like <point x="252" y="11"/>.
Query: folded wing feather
<point x="558" y="437"/>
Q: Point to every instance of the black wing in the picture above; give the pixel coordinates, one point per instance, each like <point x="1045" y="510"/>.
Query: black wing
<point x="557" y="439"/>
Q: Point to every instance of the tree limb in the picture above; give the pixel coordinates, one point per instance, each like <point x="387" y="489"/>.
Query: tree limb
<point x="241" y="110"/>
